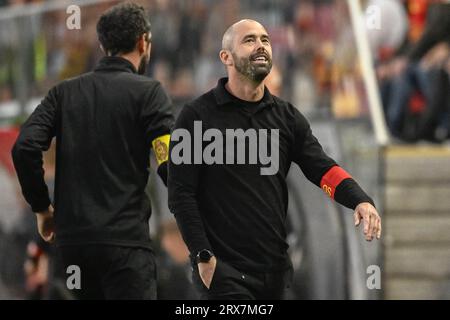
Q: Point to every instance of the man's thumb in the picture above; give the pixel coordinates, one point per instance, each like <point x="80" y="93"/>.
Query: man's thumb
<point x="357" y="219"/>
<point x="49" y="236"/>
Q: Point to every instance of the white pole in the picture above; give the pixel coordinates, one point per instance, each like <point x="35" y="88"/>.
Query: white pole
<point x="365" y="56"/>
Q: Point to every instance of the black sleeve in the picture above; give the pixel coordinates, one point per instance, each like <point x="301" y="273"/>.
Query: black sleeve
<point x="308" y="154"/>
<point x="183" y="183"/>
<point x="162" y="172"/>
<point x="158" y="120"/>
<point x="314" y="163"/>
<point x="35" y="137"/>
<point x="350" y="194"/>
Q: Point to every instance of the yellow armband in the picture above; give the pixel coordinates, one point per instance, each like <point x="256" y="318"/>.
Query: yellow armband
<point x="161" y="148"/>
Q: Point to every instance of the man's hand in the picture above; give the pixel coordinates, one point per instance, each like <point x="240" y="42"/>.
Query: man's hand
<point x="372" y="221"/>
<point x="46" y="224"/>
<point x="206" y="271"/>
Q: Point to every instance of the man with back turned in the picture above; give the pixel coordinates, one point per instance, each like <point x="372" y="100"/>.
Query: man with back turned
<point x="105" y="123"/>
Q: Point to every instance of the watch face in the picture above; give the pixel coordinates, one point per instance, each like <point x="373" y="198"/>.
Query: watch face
<point x="205" y="255"/>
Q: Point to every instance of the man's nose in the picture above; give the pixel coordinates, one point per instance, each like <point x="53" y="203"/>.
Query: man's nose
<point x="259" y="44"/>
<point x="260" y="48"/>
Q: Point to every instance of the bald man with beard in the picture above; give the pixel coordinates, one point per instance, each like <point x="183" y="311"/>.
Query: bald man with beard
<point x="231" y="212"/>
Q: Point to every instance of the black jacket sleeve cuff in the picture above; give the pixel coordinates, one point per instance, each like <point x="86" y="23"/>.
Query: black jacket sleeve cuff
<point x="41" y="205"/>
<point x="191" y="229"/>
<point x="350" y="194"/>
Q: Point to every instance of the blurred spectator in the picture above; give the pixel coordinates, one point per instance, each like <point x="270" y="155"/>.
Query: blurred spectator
<point x="44" y="278"/>
<point x="387" y="39"/>
<point x="420" y="81"/>
<point x="304" y="37"/>
<point x="274" y="81"/>
<point x="174" y="265"/>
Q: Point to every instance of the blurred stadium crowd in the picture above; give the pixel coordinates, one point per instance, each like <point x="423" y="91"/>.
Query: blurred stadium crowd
<point x="314" y="67"/>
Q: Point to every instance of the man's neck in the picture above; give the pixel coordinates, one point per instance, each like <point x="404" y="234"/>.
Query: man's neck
<point x="132" y="57"/>
<point x="244" y="88"/>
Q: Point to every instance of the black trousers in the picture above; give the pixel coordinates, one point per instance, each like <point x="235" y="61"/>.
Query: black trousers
<point x="110" y="272"/>
<point x="229" y="283"/>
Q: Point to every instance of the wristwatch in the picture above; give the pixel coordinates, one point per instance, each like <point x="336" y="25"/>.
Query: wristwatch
<point x="203" y="256"/>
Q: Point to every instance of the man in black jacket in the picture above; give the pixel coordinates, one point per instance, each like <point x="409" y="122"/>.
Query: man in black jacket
<point x="105" y="123"/>
<point x="231" y="150"/>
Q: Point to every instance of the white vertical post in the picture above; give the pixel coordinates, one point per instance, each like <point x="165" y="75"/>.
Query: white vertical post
<point x="365" y="58"/>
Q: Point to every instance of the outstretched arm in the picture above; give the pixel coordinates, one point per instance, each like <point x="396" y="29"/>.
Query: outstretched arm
<point x="337" y="183"/>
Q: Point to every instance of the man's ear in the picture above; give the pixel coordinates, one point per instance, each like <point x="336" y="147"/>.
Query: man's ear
<point x="226" y="57"/>
<point x="142" y="43"/>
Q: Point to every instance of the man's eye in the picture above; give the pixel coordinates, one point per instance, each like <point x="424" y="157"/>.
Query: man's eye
<point x="249" y="40"/>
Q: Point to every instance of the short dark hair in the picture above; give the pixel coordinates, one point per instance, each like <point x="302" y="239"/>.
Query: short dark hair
<point x="120" y="27"/>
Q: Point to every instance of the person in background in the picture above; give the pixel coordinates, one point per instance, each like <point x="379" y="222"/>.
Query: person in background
<point x="174" y="282"/>
<point x="419" y="73"/>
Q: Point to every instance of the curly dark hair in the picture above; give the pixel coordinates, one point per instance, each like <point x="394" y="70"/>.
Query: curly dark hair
<point x="120" y="27"/>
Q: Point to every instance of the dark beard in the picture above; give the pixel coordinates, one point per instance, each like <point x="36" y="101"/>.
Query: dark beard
<point x="143" y="65"/>
<point x="255" y="73"/>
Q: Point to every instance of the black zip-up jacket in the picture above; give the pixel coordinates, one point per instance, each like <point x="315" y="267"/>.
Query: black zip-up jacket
<point x="232" y="209"/>
<point x="104" y="122"/>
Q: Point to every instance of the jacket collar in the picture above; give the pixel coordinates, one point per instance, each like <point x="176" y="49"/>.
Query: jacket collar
<point x="115" y="63"/>
<point x="223" y="97"/>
